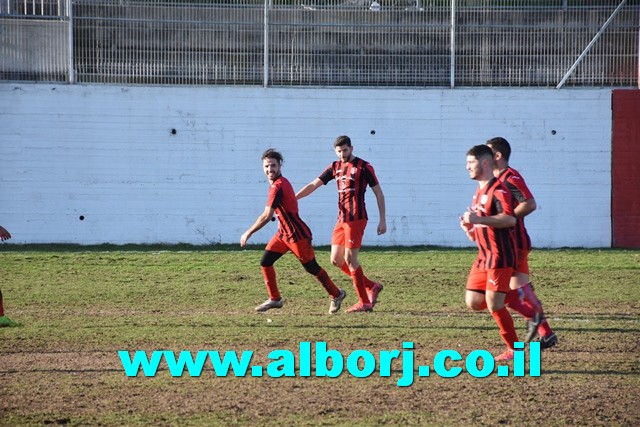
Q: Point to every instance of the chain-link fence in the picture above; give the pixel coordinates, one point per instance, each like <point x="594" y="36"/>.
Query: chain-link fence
<point x="407" y="43"/>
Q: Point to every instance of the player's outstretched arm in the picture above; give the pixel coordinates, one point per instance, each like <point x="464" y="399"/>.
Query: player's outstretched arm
<point x="261" y="221"/>
<point x="309" y="188"/>
<point x="382" y="209"/>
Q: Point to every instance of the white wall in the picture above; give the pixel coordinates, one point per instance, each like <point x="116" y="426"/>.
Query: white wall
<point x="107" y="153"/>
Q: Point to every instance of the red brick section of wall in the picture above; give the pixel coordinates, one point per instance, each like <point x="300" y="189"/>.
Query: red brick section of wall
<point x="625" y="194"/>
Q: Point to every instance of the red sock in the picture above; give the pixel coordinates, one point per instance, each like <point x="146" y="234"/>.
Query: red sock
<point x="369" y="284"/>
<point x="358" y="284"/>
<point x="269" y="274"/>
<point x="516" y="304"/>
<point x="345" y="269"/>
<point x="544" y="330"/>
<point x="327" y="283"/>
<point x="1" y="305"/>
<point x="507" y="328"/>
<point x="530" y="296"/>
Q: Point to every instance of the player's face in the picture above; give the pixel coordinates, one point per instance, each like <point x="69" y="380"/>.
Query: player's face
<point x="271" y="168"/>
<point x="344" y="152"/>
<point x="474" y="167"/>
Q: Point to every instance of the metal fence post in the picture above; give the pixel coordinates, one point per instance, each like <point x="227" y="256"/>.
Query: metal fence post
<point x="452" y="71"/>
<point x="265" y="55"/>
<point x="72" y="76"/>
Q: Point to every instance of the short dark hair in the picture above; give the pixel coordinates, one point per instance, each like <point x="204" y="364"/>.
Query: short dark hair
<point x="500" y="145"/>
<point x="480" y="151"/>
<point x="273" y="154"/>
<point x="342" y="140"/>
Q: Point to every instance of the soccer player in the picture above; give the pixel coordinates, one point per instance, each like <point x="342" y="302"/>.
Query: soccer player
<point x="524" y="299"/>
<point x="490" y="222"/>
<point x="352" y="176"/>
<point x="292" y="235"/>
<point x="4" y="320"/>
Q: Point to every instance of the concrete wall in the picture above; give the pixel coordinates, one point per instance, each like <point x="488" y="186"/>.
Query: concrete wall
<point x="107" y="154"/>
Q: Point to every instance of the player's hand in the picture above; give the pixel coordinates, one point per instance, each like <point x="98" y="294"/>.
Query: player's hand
<point x="382" y="227"/>
<point x="470" y="218"/>
<point x="466" y="227"/>
<point x="244" y="238"/>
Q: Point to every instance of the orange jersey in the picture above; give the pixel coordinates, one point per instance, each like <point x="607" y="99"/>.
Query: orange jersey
<point x="496" y="246"/>
<point x="352" y="179"/>
<point x="514" y="182"/>
<point x="282" y="198"/>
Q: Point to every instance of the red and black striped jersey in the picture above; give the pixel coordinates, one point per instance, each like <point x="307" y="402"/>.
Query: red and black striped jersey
<point x="352" y="179"/>
<point x="515" y="183"/>
<point x="496" y="246"/>
<point x="282" y="198"/>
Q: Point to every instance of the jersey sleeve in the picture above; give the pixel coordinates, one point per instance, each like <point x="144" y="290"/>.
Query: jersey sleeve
<point x="518" y="188"/>
<point x="370" y="175"/>
<point x="274" y="199"/>
<point x="327" y="175"/>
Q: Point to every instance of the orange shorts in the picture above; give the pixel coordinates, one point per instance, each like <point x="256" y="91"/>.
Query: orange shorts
<point x="496" y="279"/>
<point x="349" y="234"/>
<point x="522" y="265"/>
<point x="302" y="249"/>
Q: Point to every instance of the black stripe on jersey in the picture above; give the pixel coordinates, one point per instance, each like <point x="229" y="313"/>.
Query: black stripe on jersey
<point x="348" y="202"/>
<point x="486" y="247"/>
<point x="515" y="191"/>
<point x="285" y="226"/>
<point x="361" y="183"/>
<point x="293" y="226"/>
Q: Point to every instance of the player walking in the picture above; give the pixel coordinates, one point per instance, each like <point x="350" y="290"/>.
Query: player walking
<point x="352" y="176"/>
<point x="292" y="235"/>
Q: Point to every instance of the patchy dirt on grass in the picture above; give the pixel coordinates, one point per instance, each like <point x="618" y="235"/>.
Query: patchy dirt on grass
<point x="589" y="379"/>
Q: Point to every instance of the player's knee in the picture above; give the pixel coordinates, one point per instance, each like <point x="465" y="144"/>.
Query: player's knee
<point x="476" y="301"/>
<point x="312" y="267"/>
<point x="269" y="258"/>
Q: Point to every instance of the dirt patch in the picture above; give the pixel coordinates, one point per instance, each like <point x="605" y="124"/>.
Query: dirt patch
<point x="582" y="383"/>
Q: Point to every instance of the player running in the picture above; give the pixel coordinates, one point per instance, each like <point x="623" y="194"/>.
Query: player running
<point x="489" y="222"/>
<point x="352" y="176"/>
<point x="524" y="299"/>
<point x="292" y="235"/>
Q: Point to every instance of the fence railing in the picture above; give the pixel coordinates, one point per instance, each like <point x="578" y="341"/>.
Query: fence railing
<point x="403" y="43"/>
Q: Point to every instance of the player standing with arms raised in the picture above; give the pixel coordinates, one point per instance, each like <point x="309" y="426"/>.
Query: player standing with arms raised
<point x="352" y="176"/>
<point x="489" y="222"/>
<point x="292" y="235"/>
<point x="525" y="300"/>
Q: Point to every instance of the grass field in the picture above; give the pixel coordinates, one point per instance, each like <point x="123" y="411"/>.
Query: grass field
<point x="78" y="306"/>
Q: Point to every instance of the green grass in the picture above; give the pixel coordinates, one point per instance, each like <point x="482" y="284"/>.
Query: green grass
<point x="78" y="305"/>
